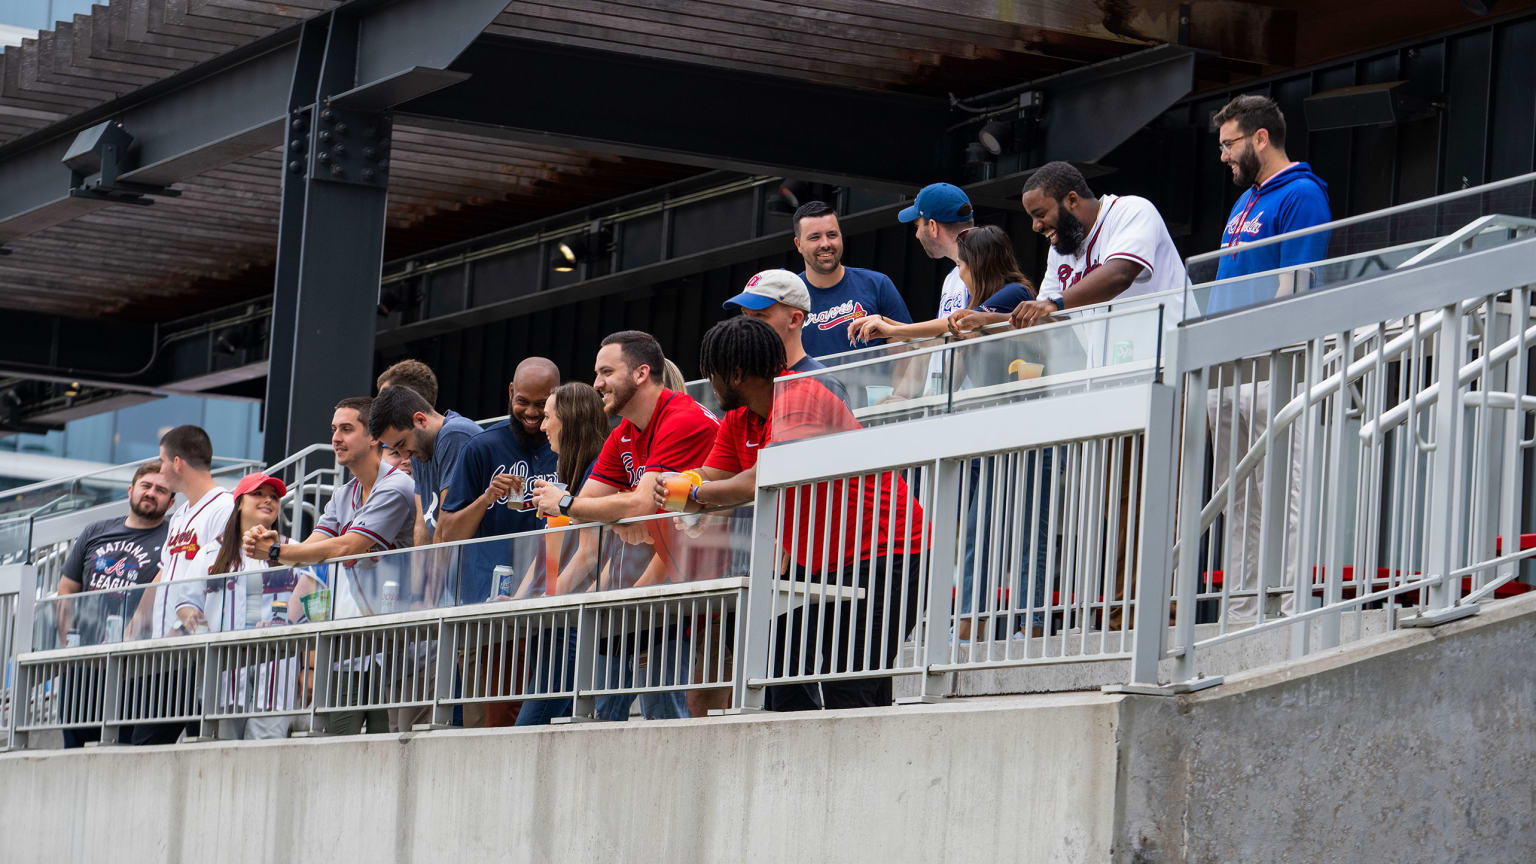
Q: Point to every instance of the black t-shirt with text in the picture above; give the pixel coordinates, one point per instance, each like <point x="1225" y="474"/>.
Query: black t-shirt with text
<point x="107" y="555"/>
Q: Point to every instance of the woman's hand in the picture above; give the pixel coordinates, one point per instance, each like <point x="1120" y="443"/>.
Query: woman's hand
<point x="546" y="498"/>
<point x="870" y="327"/>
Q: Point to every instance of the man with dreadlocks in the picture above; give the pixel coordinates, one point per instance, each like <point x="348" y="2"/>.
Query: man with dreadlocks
<point x="741" y="357"/>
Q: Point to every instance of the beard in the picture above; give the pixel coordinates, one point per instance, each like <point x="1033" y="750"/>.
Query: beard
<point x="1247" y="172"/>
<point x="621" y="393"/>
<point x="145" y="507"/>
<point x="730" y="400"/>
<point x="814" y="263"/>
<point x="525" y="439"/>
<point x="930" y="246"/>
<point x="422" y="445"/>
<point x="1069" y="232"/>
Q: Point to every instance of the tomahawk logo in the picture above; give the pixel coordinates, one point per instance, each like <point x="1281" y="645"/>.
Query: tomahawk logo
<point x="842" y="313"/>
<point x="1253" y="225"/>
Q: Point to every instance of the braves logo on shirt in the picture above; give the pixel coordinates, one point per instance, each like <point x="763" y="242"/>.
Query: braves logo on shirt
<point x="184" y="543"/>
<point x="1238" y="225"/>
<point x="838" y="315"/>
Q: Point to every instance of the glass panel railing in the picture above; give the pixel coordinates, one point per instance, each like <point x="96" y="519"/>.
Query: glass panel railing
<point x="566" y="559"/>
<point x="1372" y="244"/>
<point x="1070" y="355"/>
<point x="22" y="506"/>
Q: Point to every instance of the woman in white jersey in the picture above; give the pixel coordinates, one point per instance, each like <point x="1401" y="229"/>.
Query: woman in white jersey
<point x="207" y="603"/>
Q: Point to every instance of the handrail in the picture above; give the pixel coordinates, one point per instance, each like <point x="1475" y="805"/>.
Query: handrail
<point x="126" y="466"/>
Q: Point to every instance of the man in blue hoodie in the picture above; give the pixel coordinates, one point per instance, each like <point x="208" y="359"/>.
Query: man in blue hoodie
<point x="1280" y="196"/>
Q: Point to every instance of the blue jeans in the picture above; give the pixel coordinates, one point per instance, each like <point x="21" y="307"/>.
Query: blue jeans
<point x="538" y="712"/>
<point x="980" y="510"/>
<point x="653" y="706"/>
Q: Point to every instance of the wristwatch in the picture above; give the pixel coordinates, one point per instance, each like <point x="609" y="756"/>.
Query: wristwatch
<point x="1060" y="301"/>
<point x="565" y="504"/>
<point x="273" y="552"/>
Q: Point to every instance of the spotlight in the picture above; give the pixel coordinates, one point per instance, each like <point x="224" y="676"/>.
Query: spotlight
<point x="73" y="389"/>
<point x="995" y="136"/>
<point x="573" y="250"/>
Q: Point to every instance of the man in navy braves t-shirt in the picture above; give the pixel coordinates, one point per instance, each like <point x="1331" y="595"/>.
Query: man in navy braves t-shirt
<point x="838" y="294"/>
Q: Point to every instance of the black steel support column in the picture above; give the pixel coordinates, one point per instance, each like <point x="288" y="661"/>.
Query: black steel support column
<point x="330" y="244"/>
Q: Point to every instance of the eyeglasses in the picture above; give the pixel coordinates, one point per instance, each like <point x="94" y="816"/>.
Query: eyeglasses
<point x="964" y="232"/>
<point x="1226" y="146"/>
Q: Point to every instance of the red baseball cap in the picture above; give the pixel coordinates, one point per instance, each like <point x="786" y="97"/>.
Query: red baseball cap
<point x="252" y="482"/>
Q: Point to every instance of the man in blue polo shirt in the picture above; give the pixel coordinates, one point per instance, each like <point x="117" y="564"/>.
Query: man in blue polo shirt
<point x="837" y="294"/>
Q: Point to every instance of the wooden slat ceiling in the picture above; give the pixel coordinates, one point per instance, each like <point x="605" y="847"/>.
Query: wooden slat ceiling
<point x="215" y="244"/>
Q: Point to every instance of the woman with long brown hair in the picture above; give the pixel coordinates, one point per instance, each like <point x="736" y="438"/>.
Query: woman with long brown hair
<point x="991" y="275"/>
<point x="206" y="603"/>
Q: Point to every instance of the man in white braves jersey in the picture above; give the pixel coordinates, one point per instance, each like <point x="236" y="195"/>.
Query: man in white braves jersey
<point x="186" y="457"/>
<point x="375" y="510"/>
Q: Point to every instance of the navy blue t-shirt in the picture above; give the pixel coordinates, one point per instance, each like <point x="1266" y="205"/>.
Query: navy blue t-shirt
<point x="434" y="475"/>
<point x="861" y="292"/>
<point x="497" y="450"/>
<point x="1006" y="298"/>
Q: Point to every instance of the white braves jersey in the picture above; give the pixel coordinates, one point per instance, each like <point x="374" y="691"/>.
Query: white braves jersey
<point x="1128" y="227"/>
<point x="192" y="526"/>
<point x="954" y="295"/>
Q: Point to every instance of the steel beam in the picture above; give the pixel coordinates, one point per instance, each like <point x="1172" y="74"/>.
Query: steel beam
<point x="234" y="105"/>
<point x="691" y="114"/>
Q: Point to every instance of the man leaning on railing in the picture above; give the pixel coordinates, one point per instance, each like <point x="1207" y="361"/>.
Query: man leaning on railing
<point x="742" y="357"/>
<point x="373" y="511"/>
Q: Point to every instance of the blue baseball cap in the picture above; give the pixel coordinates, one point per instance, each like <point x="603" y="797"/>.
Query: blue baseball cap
<point x="941" y="202"/>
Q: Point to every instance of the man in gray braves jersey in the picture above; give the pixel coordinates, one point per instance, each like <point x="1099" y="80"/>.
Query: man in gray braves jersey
<point x="375" y="510"/>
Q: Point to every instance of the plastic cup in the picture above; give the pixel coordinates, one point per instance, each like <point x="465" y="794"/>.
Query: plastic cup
<point x="317" y="604"/>
<point x="678" y="487"/>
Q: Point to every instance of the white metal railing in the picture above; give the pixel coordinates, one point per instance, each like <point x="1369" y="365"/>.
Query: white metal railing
<point x="1031" y="508"/>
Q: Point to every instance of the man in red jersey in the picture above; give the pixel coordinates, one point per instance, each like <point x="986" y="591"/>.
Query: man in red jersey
<point x="661" y="430"/>
<point x="864" y="531"/>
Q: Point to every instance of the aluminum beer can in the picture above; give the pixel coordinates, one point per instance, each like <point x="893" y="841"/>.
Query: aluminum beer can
<point x="391" y="596"/>
<point x="505" y="581"/>
<point x="1124" y="351"/>
<point x="114" y="629"/>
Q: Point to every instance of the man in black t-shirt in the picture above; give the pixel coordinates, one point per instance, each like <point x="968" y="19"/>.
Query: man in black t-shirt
<point x="113" y="554"/>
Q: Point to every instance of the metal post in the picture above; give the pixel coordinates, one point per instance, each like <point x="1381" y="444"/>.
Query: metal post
<point x="21" y="643"/>
<point x="330" y="242"/>
<point x="752" y="660"/>
<point x="944" y="513"/>
<point x="1186" y="580"/>
<point x="1275" y="502"/>
<point x="1344" y="455"/>
<point x="319" y="720"/>
<point x="1447" y="498"/>
<point x="112" y="697"/>
<point x="442" y="679"/>
<point x="583" y="703"/>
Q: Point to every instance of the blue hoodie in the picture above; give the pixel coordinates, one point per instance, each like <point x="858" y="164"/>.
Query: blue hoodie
<point x="1293" y="199"/>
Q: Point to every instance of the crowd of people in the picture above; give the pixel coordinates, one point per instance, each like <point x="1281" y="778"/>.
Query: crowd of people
<point x="594" y="454"/>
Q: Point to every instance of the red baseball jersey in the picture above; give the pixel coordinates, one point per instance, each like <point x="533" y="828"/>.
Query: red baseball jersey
<point x="677" y="438"/>
<point x="889" y="519"/>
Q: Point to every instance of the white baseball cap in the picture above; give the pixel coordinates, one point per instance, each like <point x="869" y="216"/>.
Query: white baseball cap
<point x="770" y="287"/>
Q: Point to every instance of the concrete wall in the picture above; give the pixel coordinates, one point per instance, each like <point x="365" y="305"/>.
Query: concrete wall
<point x="1016" y="780"/>
<point x="1413" y="746"/>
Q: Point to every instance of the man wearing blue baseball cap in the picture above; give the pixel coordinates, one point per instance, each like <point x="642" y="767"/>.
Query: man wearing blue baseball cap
<point x="942" y="211"/>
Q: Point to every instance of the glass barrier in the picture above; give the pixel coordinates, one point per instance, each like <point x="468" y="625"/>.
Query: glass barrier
<point x="565" y="559"/>
<point x="23" y="506"/>
<point x="1069" y="355"/>
<point x="1349" y="250"/>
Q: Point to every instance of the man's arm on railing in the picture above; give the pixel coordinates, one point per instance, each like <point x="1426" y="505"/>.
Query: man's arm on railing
<point x="318" y="547"/>
<point x="1104" y="284"/>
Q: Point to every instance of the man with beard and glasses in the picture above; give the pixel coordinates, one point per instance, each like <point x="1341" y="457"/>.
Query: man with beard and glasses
<point x="1102" y="249"/>
<point x="1279" y="196"/>
<point x="113" y="553"/>
<point x="838" y="294"/>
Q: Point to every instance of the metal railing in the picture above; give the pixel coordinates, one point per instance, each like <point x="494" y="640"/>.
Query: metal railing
<point x="1040" y="500"/>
